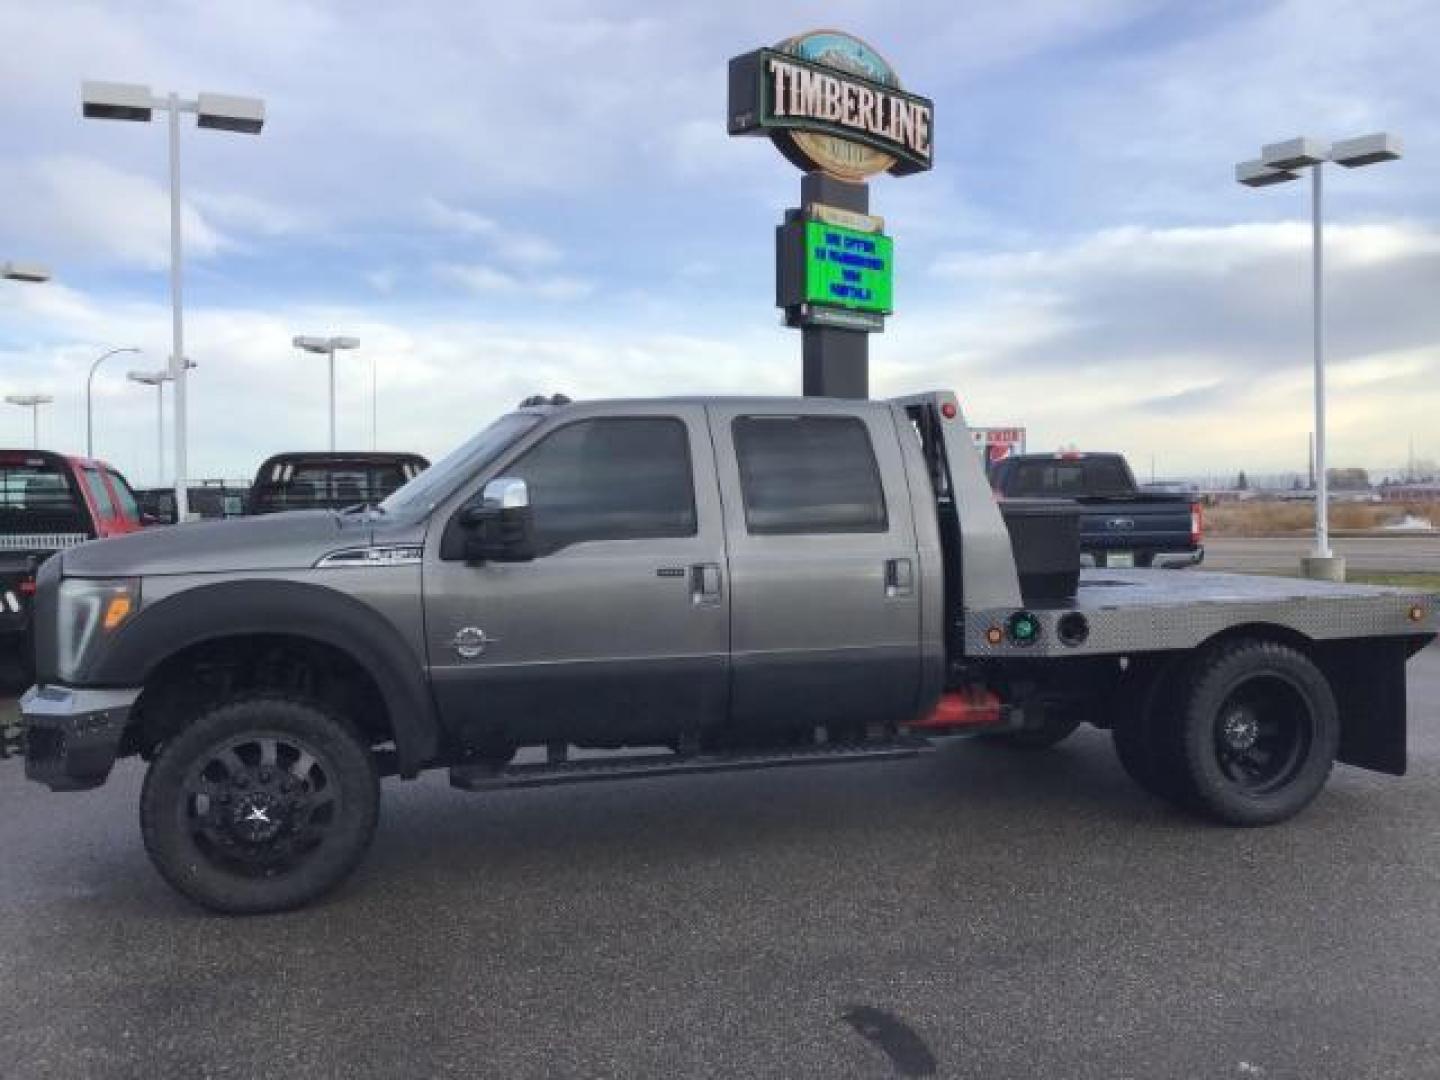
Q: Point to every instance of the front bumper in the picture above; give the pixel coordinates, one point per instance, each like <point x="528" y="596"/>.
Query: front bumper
<point x="72" y="736"/>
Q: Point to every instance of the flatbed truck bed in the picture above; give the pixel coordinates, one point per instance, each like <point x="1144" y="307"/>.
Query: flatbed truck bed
<point x="1130" y="611"/>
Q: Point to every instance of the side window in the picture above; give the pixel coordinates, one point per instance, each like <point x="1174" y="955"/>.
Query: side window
<point x="808" y="474"/>
<point x="128" y="506"/>
<point x="99" y="493"/>
<point x="609" y="479"/>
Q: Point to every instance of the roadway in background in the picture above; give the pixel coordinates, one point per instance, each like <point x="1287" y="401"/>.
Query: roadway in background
<point x="1400" y="553"/>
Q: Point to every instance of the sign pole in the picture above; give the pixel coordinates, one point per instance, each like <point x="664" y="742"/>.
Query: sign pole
<point x="834" y="108"/>
<point x="835" y="362"/>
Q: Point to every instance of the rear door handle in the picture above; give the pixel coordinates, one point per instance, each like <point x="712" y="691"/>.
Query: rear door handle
<point x="705" y="583"/>
<point x="899" y="577"/>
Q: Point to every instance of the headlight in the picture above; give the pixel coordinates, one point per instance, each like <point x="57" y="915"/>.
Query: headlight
<point x="91" y="609"/>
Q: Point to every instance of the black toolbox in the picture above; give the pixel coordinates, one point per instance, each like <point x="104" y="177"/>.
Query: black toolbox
<point x="1045" y="536"/>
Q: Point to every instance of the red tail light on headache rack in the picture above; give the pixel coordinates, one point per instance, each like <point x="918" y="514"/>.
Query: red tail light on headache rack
<point x="1197" y="523"/>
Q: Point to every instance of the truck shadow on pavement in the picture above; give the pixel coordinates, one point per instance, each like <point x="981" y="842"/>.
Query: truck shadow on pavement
<point x="997" y="796"/>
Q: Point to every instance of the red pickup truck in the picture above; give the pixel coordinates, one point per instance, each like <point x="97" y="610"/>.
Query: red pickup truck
<point x="49" y="502"/>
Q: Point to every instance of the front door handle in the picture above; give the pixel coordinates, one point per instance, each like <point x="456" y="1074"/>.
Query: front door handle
<point x="705" y="583"/>
<point x="899" y="577"/>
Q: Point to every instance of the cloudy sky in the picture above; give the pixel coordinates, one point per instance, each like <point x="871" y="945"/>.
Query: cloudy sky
<point x="501" y="199"/>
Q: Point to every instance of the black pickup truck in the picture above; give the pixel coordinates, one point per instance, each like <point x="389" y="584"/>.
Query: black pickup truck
<point x="330" y="481"/>
<point x="1120" y="525"/>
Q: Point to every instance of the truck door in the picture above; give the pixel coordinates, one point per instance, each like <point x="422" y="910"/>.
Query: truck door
<point x="619" y="629"/>
<point x="824" y="589"/>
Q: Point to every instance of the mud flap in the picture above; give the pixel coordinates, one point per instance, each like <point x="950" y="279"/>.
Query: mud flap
<point x="1368" y="677"/>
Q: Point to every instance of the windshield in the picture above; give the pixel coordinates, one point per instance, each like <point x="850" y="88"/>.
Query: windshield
<point x="1070" y="478"/>
<point x="332" y="483"/>
<point x="420" y="495"/>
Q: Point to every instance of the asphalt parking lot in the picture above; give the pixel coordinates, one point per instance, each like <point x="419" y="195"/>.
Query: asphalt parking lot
<point x="979" y="912"/>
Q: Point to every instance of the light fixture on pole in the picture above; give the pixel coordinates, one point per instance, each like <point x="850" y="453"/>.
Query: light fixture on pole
<point x="89" y="383"/>
<point x="32" y="272"/>
<point x="33" y="403"/>
<point x="1277" y="164"/>
<point x="220" y="112"/>
<point x="326" y="347"/>
<point x="157" y="379"/>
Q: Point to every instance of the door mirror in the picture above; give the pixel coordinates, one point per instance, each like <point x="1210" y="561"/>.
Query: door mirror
<point x="499" y="526"/>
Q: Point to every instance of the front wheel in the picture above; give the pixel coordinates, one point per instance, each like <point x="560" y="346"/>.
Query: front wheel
<point x="260" y="805"/>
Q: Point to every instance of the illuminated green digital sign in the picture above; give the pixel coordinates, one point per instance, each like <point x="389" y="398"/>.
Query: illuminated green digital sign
<point x="848" y="268"/>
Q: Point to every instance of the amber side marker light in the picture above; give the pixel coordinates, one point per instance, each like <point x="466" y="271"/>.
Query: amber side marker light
<point x="1417" y="613"/>
<point x="994" y="635"/>
<point x="116" y="611"/>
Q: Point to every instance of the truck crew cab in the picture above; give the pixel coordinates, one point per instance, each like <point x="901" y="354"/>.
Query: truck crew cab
<point x="703" y="584"/>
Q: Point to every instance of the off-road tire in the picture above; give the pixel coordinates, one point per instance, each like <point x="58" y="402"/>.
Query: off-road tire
<point x="333" y="764"/>
<point x="1140" y="711"/>
<point x="1289" y="697"/>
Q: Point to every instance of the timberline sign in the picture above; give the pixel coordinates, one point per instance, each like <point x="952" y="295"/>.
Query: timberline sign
<point x="830" y="102"/>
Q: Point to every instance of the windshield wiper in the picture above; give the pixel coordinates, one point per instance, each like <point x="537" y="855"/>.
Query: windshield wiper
<point x="361" y="508"/>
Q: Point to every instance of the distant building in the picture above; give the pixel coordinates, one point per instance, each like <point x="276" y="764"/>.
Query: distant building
<point x="1421" y="491"/>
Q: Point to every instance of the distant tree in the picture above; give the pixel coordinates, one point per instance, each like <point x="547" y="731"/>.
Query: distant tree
<point x="1242" y="482"/>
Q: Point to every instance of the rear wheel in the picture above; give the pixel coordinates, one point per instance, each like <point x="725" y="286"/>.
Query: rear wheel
<point x="260" y="805"/>
<point x="1131" y="736"/>
<point x="1257" y="732"/>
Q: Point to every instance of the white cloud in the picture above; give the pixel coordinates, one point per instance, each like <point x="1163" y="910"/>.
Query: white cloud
<point x="1193" y="342"/>
<point x="484" y="279"/>
<point x="251" y="214"/>
<point x="78" y="209"/>
<point x="514" y="247"/>
<point x="441" y="215"/>
<point x="253" y="394"/>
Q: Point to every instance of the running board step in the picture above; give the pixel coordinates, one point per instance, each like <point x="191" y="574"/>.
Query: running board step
<point x="593" y="770"/>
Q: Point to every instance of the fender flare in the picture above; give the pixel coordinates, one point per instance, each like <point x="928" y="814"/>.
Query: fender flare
<point x="297" y="609"/>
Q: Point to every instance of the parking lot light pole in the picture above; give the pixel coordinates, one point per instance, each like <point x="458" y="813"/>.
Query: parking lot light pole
<point x="33" y="403"/>
<point x="326" y="347"/>
<point x="157" y="379"/>
<point x="89" y="384"/>
<point x="220" y="112"/>
<point x="1279" y="163"/>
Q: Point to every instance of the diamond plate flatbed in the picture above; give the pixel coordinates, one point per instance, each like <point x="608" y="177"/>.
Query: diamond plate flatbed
<point x="1132" y="611"/>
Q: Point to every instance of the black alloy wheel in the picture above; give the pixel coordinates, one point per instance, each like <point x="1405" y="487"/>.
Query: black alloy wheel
<point x="1263" y="734"/>
<point x="260" y="805"/>
<point x="1255" y="734"/>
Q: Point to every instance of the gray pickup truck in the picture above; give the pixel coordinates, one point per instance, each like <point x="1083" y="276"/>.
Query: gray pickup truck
<point x="690" y="585"/>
